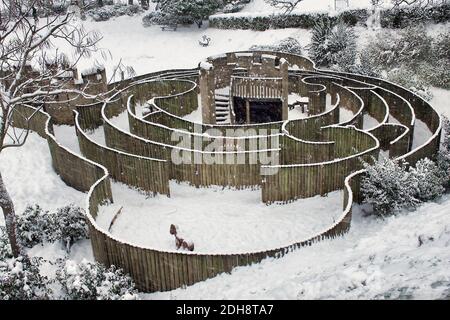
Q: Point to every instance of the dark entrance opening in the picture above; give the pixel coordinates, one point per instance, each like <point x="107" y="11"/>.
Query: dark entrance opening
<point x="265" y="111"/>
<point x="240" y="112"/>
<point x="260" y="110"/>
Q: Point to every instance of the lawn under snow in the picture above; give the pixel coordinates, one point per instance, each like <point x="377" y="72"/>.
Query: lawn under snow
<point x="29" y="177"/>
<point x="216" y="220"/>
<point x="150" y="49"/>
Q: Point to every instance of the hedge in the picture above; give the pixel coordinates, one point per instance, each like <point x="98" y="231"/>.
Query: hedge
<point x="395" y="18"/>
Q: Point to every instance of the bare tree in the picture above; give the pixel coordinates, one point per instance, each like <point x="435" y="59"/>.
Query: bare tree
<point x="32" y="72"/>
<point x="417" y="3"/>
<point x="286" y="5"/>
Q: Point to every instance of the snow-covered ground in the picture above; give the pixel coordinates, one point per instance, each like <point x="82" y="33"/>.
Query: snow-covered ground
<point x="402" y="257"/>
<point x="421" y="134"/>
<point x="150" y="49"/>
<point x="441" y="101"/>
<point x="369" y="122"/>
<point x="195" y="116"/>
<point x="66" y="135"/>
<point x="121" y="121"/>
<point x="237" y="221"/>
<point x="29" y="177"/>
<point x="345" y="115"/>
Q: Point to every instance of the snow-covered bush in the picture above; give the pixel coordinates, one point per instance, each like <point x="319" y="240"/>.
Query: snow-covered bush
<point x="318" y="49"/>
<point x="109" y="11"/>
<point x="410" y="58"/>
<point x="410" y="79"/>
<point x="93" y="281"/>
<point x="234" y="6"/>
<point x="159" y="17"/>
<point x="20" y="279"/>
<point x="342" y="45"/>
<point x="182" y="12"/>
<point x="389" y="187"/>
<point x="55" y="7"/>
<point x="67" y="225"/>
<point x="390" y="49"/>
<point x="34" y="226"/>
<point x="427" y="179"/>
<point x="413" y="45"/>
<point x="364" y="64"/>
<point x="443" y="158"/>
<point x="437" y="72"/>
<point x="404" y="16"/>
<point x="333" y="46"/>
<point x="289" y="44"/>
<point x="5" y="248"/>
<point x="70" y="225"/>
<point x="441" y="47"/>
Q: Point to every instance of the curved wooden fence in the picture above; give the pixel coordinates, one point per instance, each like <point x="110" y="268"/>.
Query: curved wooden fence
<point x="130" y="154"/>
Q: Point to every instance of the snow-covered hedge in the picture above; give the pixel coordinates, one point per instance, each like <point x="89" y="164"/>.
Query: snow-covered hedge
<point x="289" y="44"/>
<point x="277" y="21"/>
<point x="20" y="279"/>
<point x="411" y="15"/>
<point x="397" y="18"/>
<point x="93" y="281"/>
<point x="261" y="23"/>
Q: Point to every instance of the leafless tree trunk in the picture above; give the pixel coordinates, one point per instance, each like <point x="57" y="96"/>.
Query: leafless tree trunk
<point x="7" y="206"/>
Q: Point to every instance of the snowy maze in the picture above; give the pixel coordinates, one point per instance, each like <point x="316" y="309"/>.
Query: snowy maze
<point x="317" y="155"/>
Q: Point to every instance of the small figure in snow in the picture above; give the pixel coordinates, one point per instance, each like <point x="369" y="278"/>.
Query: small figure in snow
<point x="205" y="41"/>
<point x="180" y="242"/>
